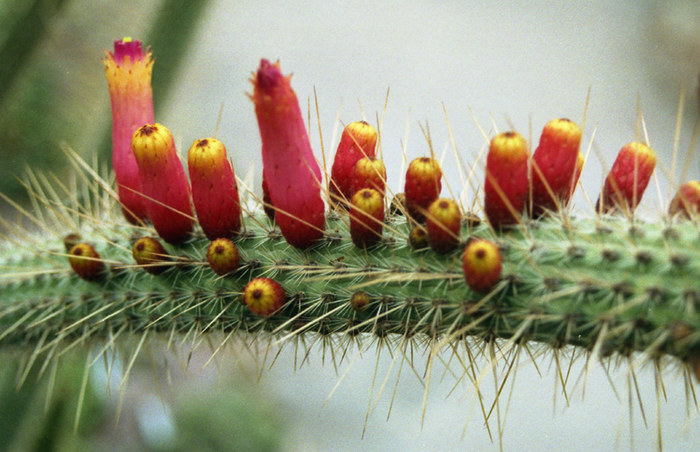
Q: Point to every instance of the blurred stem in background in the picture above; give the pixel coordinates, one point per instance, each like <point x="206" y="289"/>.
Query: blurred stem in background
<point x="52" y="87"/>
<point x="28" y="29"/>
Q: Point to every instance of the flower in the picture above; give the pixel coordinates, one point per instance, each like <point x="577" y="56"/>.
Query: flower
<point x="128" y="72"/>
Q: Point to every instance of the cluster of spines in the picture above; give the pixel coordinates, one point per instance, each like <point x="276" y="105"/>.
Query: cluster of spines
<point x="551" y="290"/>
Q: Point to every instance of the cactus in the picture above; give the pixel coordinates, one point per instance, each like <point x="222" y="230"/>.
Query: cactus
<point x="609" y="287"/>
<point x="606" y="285"/>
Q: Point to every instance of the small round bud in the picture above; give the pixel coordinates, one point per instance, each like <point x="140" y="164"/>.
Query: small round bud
<point x="418" y="238"/>
<point x="359" y="301"/>
<point x="369" y="172"/>
<point x="263" y="296"/>
<point x="150" y="254"/>
<point x="481" y="263"/>
<point x="444" y="221"/>
<point x="70" y="240"/>
<point x="85" y="261"/>
<point x="222" y="256"/>
<point x="366" y="217"/>
<point x="398" y="204"/>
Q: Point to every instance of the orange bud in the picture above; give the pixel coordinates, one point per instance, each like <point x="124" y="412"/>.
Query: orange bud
<point x="481" y="263"/>
<point x="366" y="217"/>
<point x="263" y="296"/>
<point x="444" y="221"/>
<point x="223" y="256"/>
<point x="358" y="140"/>
<point x="554" y="165"/>
<point x="85" y="261"/>
<point x="369" y="172"/>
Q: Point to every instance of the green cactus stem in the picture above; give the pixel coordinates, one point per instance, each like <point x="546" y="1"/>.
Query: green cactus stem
<point x="605" y="284"/>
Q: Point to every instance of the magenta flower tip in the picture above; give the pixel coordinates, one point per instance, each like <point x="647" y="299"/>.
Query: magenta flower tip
<point x="127" y="48"/>
<point x="268" y="76"/>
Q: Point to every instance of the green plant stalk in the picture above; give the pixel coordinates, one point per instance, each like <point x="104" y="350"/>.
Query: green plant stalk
<point x="607" y="285"/>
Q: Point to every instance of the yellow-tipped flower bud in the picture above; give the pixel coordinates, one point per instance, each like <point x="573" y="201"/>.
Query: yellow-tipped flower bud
<point x="149" y="253"/>
<point x="86" y="262"/>
<point x="264" y="296"/>
<point x="222" y="256"/>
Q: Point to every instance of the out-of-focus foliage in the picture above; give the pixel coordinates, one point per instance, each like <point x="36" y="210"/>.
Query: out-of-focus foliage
<point x="52" y="80"/>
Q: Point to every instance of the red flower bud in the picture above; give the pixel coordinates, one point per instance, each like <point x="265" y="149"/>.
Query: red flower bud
<point x="686" y="203"/>
<point x="214" y="189"/>
<point x="554" y="165"/>
<point x="628" y="178"/>
<point x="444" y="222"/>
<point x="422" y="186"/>
<point x="506" y="185"/>
<point x="358" y="141"/>
<point x="163" y="181"/>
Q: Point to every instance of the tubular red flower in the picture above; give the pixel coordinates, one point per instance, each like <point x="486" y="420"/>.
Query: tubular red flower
<point x="292" y="174"/>
<point x="128" y="72"/>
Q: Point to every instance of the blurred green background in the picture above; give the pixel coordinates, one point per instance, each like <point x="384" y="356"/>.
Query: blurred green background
<point x="511" y="64"/>
<point x="49" y="73"/>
